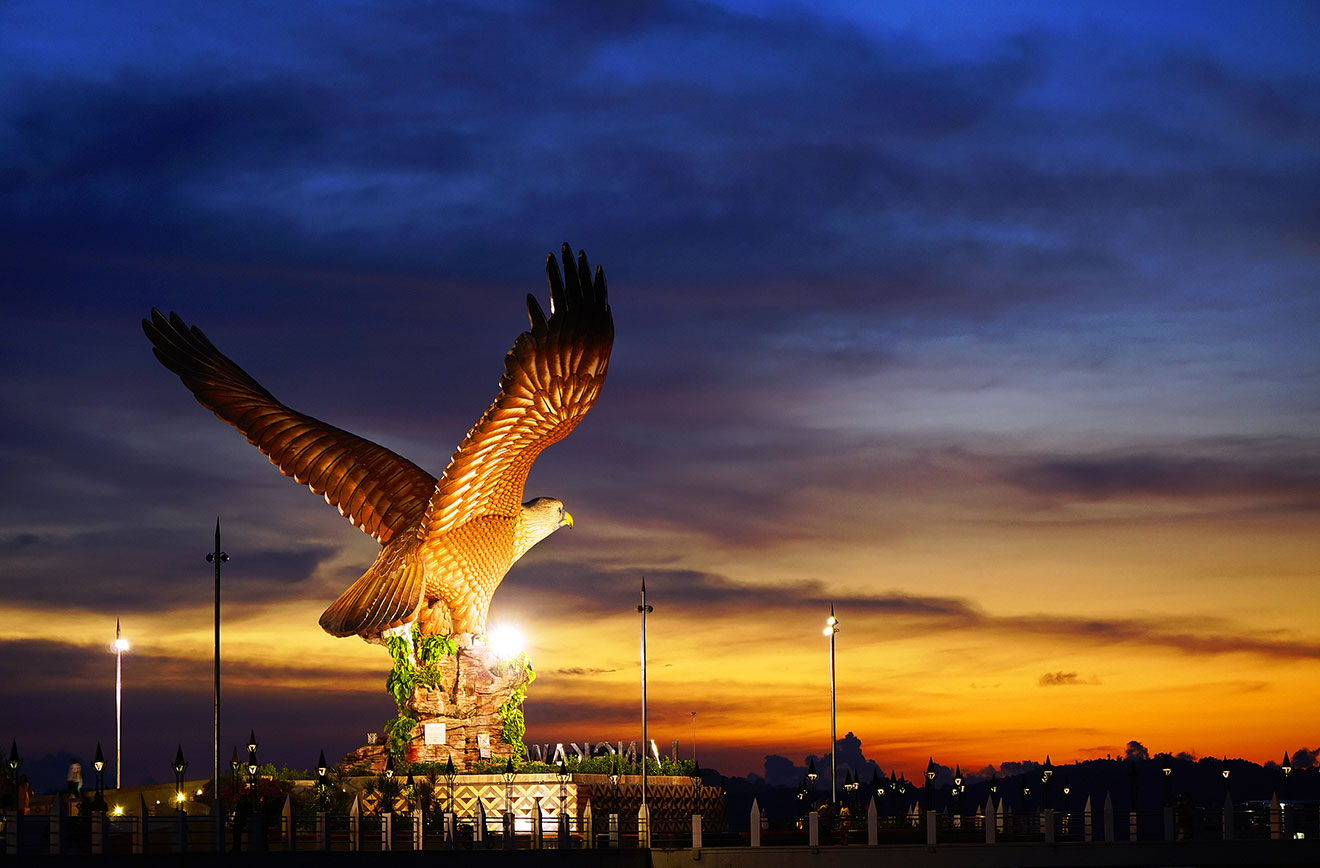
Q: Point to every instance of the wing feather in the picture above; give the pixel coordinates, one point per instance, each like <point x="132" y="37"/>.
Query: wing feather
<point x="552" y="376"/>
<point x="377" y="490"/>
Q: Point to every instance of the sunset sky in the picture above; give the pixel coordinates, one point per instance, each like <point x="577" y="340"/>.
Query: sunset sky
<point x="997" y="326"/>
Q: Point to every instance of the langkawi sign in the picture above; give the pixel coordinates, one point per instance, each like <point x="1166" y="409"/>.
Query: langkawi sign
<point x="543" y="753"/>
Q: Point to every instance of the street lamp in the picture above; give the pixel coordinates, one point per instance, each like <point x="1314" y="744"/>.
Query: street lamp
<point x="252" y="758"/>
<point x="99" y="765"/>
<point x="563" y="804"/>
<point x="389" y="766"/>
<point x="234" y="764"/>
<point x="1046" y="772"/>
<point x="450" y="774"/>
<point x="508" y="776"/>
<point x="119" y="646"/>
<point x="930" y="784"/>
<point x="180" y="766"/>
<point x="322" y="782"/>
<point x="831" y="628"/>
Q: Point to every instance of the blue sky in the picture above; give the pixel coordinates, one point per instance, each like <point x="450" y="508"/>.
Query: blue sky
<point x="1005" y="308"/>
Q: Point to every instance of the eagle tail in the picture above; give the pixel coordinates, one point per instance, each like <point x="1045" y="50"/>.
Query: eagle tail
<point x="376" y="602"/>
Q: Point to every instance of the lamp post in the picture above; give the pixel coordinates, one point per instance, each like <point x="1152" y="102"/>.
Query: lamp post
<point x="450" y="774"/>
<point x="643" y="609"/>
<point x="1167" y="768"/>
<point x="99" y="765"/>
<point x="180" y="766"/>
<point x="850" y="785"/>
<point x="1046" y="772"/>
<point x="508" y="776"/>
<point x="234" y="765"/>
<point x="217" y="557"/>
<point x="930" y="784"/>
<point x="322" y="782"/>
<point x="252" y="758"/>
<point x="120" y="646"/>
<point x="831" y="628"/>
<point x="509" y="834"/>
<point x="811" y="779"/>
<point x="563" y="805"/>
<point x="14" y="762"/>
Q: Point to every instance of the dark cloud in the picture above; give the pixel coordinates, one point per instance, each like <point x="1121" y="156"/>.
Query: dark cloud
<point x="1251" y="472"/>
<point x="118" y="559"/>
<point x="56" y="662"/>
<point x="576" y="589"/>
<point x="1065" y="679"/>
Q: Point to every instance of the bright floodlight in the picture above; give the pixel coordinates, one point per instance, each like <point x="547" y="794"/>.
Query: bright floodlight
<point x="120" y="644"/>
<point x="506" y="642"/>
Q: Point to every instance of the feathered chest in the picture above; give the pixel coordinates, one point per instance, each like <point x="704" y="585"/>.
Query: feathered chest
<point x="476" y="553"/>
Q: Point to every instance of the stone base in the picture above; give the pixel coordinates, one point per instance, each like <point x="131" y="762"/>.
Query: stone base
<point x="465" y="705"/>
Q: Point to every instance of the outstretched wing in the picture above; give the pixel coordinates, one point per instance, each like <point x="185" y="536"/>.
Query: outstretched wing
<point x="374" y="488"/>
<point x="551" y="378"/>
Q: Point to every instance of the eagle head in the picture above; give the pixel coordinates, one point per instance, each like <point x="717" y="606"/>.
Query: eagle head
<point x="539" y="518"/>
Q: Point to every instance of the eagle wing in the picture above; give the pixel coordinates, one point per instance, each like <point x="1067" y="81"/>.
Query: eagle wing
<point x="373" y="487"/>
<point x="552" y="376"/>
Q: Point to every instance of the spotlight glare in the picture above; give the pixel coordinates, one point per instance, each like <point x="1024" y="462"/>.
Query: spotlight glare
<point x="505" y="641"/>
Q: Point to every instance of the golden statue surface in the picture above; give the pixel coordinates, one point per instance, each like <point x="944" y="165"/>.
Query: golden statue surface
<point x="445" y="543"/>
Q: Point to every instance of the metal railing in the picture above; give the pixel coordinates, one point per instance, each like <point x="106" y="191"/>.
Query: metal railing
<point x="180" y="833"/>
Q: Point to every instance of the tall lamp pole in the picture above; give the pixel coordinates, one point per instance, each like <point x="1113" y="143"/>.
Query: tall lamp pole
<point x="120" y="646"/>
<point x="644" y="610"/>
<point x="832" y="627"/>
<point x="217" y="557"/>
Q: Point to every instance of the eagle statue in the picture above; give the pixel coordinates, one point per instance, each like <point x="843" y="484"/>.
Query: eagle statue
<point x="445" y="543"/>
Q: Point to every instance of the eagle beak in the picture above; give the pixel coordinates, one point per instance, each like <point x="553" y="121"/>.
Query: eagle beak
<point x="566" y="521"/>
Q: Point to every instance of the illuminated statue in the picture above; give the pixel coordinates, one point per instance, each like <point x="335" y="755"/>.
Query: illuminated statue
<point x="445" y="544"/>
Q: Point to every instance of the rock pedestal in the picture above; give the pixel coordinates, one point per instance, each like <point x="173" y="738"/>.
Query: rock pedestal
<point x="459" y="718"/>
